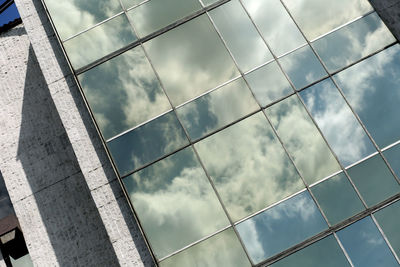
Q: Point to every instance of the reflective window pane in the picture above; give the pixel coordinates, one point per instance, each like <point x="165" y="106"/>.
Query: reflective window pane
<point x="123" y="92"/>
<point x="337" y="198"/>
<point x="393" y="157"/>
<point x="147" y="143"/>
<point x="217" y="109"/>
<point x="325" y="252"/>
<point x="208" y="2"/>
<point x="302" y="139"/>
<point x="353" y="42"/>
<point x="281" y="227"/>
<point x="175" y="202"/>
<point x="130" y="3"/>
<point x="248" y="166"/>
<point x="99" y="41"/>
<point x="388" y="219"/>
<point x="156" y="14"/>
<point x="268" y="83"/>
<point x="365" y="245"/>
<point x="72" y="17"/>
<point x="336" y="121"/>
<point x="275" y="24"/>
<point x="302" y="67"/>
<point x="191" y="60"/>
<point x="224" y="249"/>
<point x="317" y="17"/>
<point x="373" y="90"/>
<point x="241" y="37"/>
<point x="374" y="180"/>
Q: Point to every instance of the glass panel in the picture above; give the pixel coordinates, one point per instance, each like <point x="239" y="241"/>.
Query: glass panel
<point x="353" y="42"/>
<point x="393" y="157"/>
<point x="191" y="60"/>
<point x="123" y="92"/>
<point x="275" y="25"/>
<point x="208" y="2"/>
<point x="72" y="17"/>
<point x="302" y="140"/>
<point x="325" y="252"/>
<point x="241" y="37"/>
<point x="268" y="83"/>
<point x="175" y="202"/>
<point x="248" y="166"/>
<point x="336" y="121"/>
<point x="147" y="143"/>
<point x="130" y="3"/>
<point x="388" y="219"/>
<point x="365" y="245"/>
<point x="316" y="17"/>
<point x="156" y="14"/>
<point x="374" y="180"/>
<point x="224" y="249"/>
<point x="302" y="67"/>
<point x="337" y="208"/>
<point x="217" y="109"/>
<point x="373" y="90"/>
<point x="99" y="42"/>
<point x="281" y="227"/>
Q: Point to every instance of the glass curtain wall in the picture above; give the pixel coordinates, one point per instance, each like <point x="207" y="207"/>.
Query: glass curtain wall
<point x="247" y="132"/>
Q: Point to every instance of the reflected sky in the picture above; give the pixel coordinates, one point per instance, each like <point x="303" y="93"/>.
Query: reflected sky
<point x="208" y="2"/>
<point x="302" y="67"/>
<point x="248" y="166"/>
<point x="275" y="25"/>
<point x="281" y="227"/>
<point x="147" y="143"/>
<point x="374" y="180"/>
<point x="217" y="109"/>
<point x="388" y="219"/>
<point x="156" y="14"/>
<point x="99" y="41"/>
<point x="242" y="38"/>
<point x="123" y="92"/>
<point x="224" y="249"/>
<point x="353" y="42"/>
<point x="73" y="16"/>
<point x="372" y="88"/>
<point x="129" y="3"/>
<point x="268" y="83"/>
<point x="191" y="59"/>
<point x="175" y="202"/>
<point x="336" y="121"/>
<point x="336" y="208"/>
<point x="325" y="252"/>
<point x="365" y="245"/>
<point x="393" y="157"/>
<point x="317" y="17"/>
<point x="302" y="140"/>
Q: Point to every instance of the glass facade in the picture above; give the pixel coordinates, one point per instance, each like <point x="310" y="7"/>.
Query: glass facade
<point x="247" y="132"/>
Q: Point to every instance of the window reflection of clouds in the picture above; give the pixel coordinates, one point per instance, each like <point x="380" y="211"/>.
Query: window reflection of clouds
<point x="353" y="42"/>
<point x="287" y="224"/>
<point x="123" y="92"/>
<point x="372" y="89"/>
<point x="147" y="143"/>
<point x="336" y="121"/>
<point x="317" y="17"/>
<point x="243" y="40"/>
<point x="223" y="249"/>
<point x="191" y="59"/>
<point x="302" y="140"/>
<point x="393" y="157"/>
<point x="175" y="202"/>
<point x="249" y="166"/>
<point x="365" y="245"/>
<point x="73" y="16"/>
<point x="99" y="41"/>
<point x="217" y="109"/>
<point x="283" y="36"/>
<point x="156" y="14"/>
<point x="302" y="67"/>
